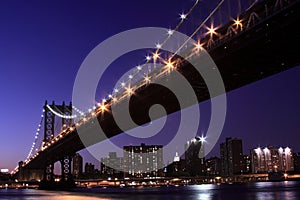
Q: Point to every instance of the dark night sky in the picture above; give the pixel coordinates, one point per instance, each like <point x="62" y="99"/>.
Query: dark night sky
<point x="42" y="45"/>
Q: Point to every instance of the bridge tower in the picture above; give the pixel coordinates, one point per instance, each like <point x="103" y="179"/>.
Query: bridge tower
<point x="49" y="132"/>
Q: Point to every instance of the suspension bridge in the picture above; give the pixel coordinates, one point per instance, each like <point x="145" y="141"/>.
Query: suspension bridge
<point x="259" y="41"/>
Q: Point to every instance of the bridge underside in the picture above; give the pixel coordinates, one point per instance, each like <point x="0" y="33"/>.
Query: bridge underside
<point x="267" y="48"/>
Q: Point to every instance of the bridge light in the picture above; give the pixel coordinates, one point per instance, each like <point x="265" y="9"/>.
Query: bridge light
<point x="147" y="79"/>
<point x="130" y="76"/>
<point x="122" y="84"/>
<point x="155" y="56"/>
<point x="148" y="58"/>
<point x="199" y="46"/>
<point x="114" y="99"/>
<point x="158" y="45"/>
<point x="129" y="91"/>
<point x="170" y="65"/>
<point x="211" y="30"/>
<point x="170" y="32"/>
<point x="139" y="68"/>
<point x="103" y="107"/>
<point x="116" y="90"/>
<point x="183" y="16"/>
<point x="238" y="23"/>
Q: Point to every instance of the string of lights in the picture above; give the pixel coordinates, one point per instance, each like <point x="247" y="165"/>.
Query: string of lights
<point x="126" y="85"/>
<point x="36" y="137"/>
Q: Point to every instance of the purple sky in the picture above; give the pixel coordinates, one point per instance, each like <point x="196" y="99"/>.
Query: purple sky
<point x="42" y="45"/>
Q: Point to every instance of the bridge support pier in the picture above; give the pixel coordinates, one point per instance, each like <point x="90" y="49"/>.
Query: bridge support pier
<point x="65" y="182"/>
<point x="66" y="174"/>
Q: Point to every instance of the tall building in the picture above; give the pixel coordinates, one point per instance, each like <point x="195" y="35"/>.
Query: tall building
<point x="213" y="166"/>
<point x="231" y="155"/>
<point x="176" y="168"/>
<point x="111" y="165"/>
<point x="271" y="159"/>
<point x="246" y="164"/>
<point x="89" y="168"/>
<point x="77" y="165"/>
<point x="143" y="160"/>
<point x="194" y="157"/>
<point x="296" y="157"/>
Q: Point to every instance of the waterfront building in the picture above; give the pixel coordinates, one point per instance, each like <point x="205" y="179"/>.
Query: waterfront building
<point x="89" y="169"/>
<point x="143" y="160"/>
<point x="296" y="157"/>
<point x="111" y="165"/>
<point x="77" y="165"/>
<point x="271" y="159"/>
<point x="231" y="155"/>
<point x="246" y="169"/>
<point x="194" y="157"/>
<point x="213" y="166"/>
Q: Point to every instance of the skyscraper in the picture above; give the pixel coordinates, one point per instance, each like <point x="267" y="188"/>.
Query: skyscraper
<point x="111" y="165"/>
<point x="143" y="160"/>
<point x="271" y="159"/>
<point x="231" y="153"/>
<point x="194" y="156"/>
<point x="213" y="166"/>
<point x="296" y="157"/>
<point x="77" y="165"/>
<point x="89" y="169"/>
<point x="246" y="164"/>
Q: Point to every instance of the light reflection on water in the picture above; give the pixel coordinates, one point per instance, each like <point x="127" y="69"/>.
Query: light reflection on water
<point x="260" y="191"/>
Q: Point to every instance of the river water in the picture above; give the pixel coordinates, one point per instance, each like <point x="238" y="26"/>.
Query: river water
<point x="289" y="190"/>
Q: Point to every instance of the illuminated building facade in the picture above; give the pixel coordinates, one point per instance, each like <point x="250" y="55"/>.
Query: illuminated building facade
<point x="111" y="165"/>
<point x="144" y="160"/>
<point x="270" y="159"/>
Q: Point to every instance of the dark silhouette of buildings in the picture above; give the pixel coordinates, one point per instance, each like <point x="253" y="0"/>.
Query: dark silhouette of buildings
<point x="213" y="166"/>
<point x="231" y="155"/>
<point x="77" y="165"/>
<point x="112" y="165"/>
<point x="296" y="157"/>
<point x="194" y="157"/>
<point x="176" y="168"/>
<point x="144" y="160"/>
<point x="89" y="168"/>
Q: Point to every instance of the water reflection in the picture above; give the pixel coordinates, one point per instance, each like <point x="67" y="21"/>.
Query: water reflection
<point x="260" y="191"/>
<point x="288" y="190"/>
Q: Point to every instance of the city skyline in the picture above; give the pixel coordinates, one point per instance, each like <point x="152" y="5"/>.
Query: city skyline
<point x="265" y="112"/>
<point x="231" y="151"/>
